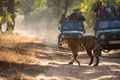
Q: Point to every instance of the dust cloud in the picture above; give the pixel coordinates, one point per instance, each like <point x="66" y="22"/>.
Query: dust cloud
<point x="47" y="34"/>
<point x="89" y="31"/>
<point x="41" y="30"/>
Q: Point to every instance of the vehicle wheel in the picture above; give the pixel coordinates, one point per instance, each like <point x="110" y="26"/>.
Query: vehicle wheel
<point x="59" y="44"/>
<point x="106" y="51"/>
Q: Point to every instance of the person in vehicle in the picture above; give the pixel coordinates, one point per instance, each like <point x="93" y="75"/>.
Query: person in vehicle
<point x="63" y="18"/>
<point x="77" y="16"/>
<point x="112" y="10"/>
<point x="81" y="17"/>
<point x="103" y="13"/>
<point x="74" y="15"/>
<point x="98" y="7"/>
<point x="118" y="10"/>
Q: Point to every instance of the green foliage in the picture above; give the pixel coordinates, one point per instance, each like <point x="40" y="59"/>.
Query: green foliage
<point x="50" y="10"/>
<point x="39" y="9"/>
<point x="38" y="6"/>
<point x="1" y="19"/>
<point x="9" y="18"/>
<point x="87" y="8"/>
<point x="5" y="16"/>
<point x="29" y="7"/>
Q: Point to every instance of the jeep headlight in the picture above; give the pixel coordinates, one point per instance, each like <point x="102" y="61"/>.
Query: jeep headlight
<point x="79" y="36"/>
<point x="102" y="37"/>
<point x="97" y="33"/>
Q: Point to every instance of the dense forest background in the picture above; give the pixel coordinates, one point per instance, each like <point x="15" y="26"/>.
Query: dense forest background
<point x="51" y="10"/>
<point x="47" y="12"/>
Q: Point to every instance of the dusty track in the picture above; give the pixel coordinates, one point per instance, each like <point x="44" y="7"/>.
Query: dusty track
<point x="52" y="64"/>
<point x="109" y="68"/>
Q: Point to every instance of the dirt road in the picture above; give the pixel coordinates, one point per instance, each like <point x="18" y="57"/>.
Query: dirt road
<point x="52" y="64"/>
<point x="57" y="69"/>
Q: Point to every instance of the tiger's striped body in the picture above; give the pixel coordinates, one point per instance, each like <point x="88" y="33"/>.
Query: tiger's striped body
<point x="88" y="43"/>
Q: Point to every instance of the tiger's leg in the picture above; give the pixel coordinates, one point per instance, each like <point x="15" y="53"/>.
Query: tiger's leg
<point x="72" y="60"/>
<point x="97" y="60"/>
<point x="97" y="54"/>
<point x="91" y="57"/>
<point x="74" y="57"/>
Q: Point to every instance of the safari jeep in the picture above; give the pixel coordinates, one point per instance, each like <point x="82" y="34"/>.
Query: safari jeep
<point x="70" y="28"/>
<point x="108" y="31"/>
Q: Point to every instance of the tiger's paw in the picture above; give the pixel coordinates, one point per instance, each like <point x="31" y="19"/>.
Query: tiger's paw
<point x="95" y="65"/>
<point x="90" y="64"/>
<point x="70" y="63"/>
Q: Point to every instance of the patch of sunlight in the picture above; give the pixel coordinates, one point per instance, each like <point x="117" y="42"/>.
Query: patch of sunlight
<point x="58" y="63"/>
<point x="107" y="77"/>
<point x="31" y="35"/>
<point x="114" y="51"/>
<point x="43" y="77"/>
<point x="88" y="72"/>
<point x="44" y="63"/>
<point x="1" y="78"/>
<point x="91" y="70"/>
<point x="48" y="52"/>
<point x="108" y="63"/>
<point x="72" y="78"/>
<point x="81" y="64"/>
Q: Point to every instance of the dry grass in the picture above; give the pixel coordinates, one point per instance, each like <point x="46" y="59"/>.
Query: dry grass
<point x="12" y="57"/>
<point x="14" y="52"/>
<point x="9" y="49"/>
<point x="12" y="39"/>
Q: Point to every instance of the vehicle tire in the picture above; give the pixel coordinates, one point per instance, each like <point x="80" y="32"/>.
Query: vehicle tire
<point x="59" y="45"/>
<point x="106" y="51"/>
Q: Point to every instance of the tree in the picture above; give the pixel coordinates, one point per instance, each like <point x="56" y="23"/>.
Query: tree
<point x="66" y="6"/>
<point x="1" y="14"/>
<point x="11" y="13"/>
<point x="34" y="6"/>
<point x="7" y="14"/>
<point x="51" y="10"/>
<point x="87" y="7"/>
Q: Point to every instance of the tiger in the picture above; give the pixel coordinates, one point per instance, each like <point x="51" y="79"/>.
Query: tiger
<point x="90" y="44"/>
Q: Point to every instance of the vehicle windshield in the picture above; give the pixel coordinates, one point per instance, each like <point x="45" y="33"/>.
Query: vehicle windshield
<point x="112" y="24"/>
<point x="72" y="26"/>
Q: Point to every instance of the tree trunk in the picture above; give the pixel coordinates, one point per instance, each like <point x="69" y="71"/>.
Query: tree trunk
<point x="1" y="14"/>
<point x="11" y="10"/>
<point x="58" y="10"/>
<point x="66" y="7"/>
